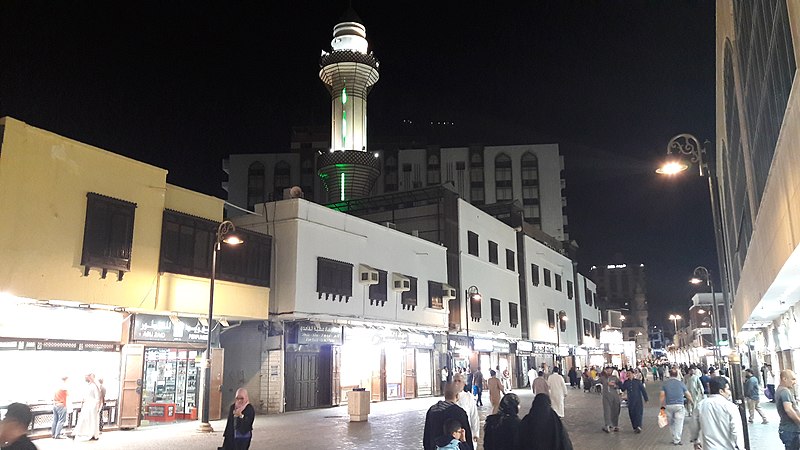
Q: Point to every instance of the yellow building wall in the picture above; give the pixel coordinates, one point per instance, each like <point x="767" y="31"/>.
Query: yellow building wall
<point x="231" y="300"/>
<point x="44" y="179"/>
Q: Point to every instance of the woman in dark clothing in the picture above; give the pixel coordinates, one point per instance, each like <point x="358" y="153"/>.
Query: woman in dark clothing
<point x="501" y="428"/>
<point x="573" y="377"/>
<point x="636" y="392"/>
<point x="239" y="429"/>
<point x="542" y="429"/>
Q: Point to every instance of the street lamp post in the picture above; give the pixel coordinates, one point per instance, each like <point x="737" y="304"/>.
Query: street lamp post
<point x="224" y="234"/>
<point x="473" y="296"/>
<point x="688" y="145"/>
<point x="562" y="316"/>
<point x="700" y="275"/>
<point x="675" y="318"/>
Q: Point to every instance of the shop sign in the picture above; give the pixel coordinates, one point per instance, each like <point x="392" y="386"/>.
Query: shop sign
<point x="34" y="322"/>
<point x="502" y="347"/>
<point x="458" y="342"/>
<point x="310" y="333"/>
<point x="418" y="340"/>
<point x="52" y="345"/>
<point x="524" y="348"/>
<point x="544" y="348"/>
<point x="483" y="345"/>
<point x="162" y="329"/>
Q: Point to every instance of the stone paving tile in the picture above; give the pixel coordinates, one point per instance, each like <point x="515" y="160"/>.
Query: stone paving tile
<point x="398" y="425"/>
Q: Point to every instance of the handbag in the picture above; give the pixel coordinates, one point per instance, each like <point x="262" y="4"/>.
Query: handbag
<point x="767" y="393"/>
<point x="662" y="419"/>
<point x="238" y="435"/>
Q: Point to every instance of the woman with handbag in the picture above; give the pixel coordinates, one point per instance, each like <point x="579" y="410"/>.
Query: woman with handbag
<point x="239" y="429"/>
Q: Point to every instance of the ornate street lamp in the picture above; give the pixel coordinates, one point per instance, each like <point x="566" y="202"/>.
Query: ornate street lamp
<point x="224" y="234"/>
<point x="675" y="318"/>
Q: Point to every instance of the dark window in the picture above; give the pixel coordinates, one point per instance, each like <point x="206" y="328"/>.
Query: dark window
<point x="255" y="185"/>
<point x="460" y="165"/>
<point x="502" y="177"/>
<point x="408" y="299"/>
<point x="547" y="280"/>
<point x="186" y="246"/>
<point x="551" y="318"/>
<point x="377" y="292"/>
<point x="587" y="296"/>
<point x="334" y="278"/>
<point x="535" y="274"/>
<point x="594" y="299"/>
<point x="435" y="293"/>
<point x="495" y="311"/>
<point x="493" y="252"/>
<point x="562" y="322"/>
<point x="282" y="178"/>
<point x="558" y="282"/>
<point x="510" y="260"/>
<point x="570" y="290"/>
<point x="587" y="328"/>
<point x="107" y="234"/>
<point x="513" y="314"/>
<point x="472" y="243"/>
<point x="406" y="167"/>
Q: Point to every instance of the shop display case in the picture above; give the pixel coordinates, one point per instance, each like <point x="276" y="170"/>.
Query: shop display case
<point x="171" y="378"/>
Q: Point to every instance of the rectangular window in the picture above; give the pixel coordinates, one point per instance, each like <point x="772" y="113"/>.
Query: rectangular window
<point x="547" y="280"/>
<point x="510" y="260"/>
<point x="334" y="278"/>
<point x="435" y="293"/>
<point x="551" y="318"/>
<point x="377" y="292"/>
<point x="495" y="311"/>
<point x="472" y="243"/>
<point x="107" y="234"/>
<point x="476" y="195"/>
<point x="570" y="290"/>
<point x="535" y="274"/>
<point x="408" y="299"/>
<point x="493" y="252"/>
<point x="558" y="282"/>
<point x="513" y="314"/>
<point x="587" y="329"/>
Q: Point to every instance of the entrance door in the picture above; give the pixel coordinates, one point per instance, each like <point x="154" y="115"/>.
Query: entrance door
<point x="215" y="395"/>
<point x="308" y="378"/>
<point x="379" y="379"/>
<point x="130" y="399"/>
<point x="410" y="378"/>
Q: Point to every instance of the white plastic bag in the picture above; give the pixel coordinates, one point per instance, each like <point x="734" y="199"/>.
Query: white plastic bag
<point x="662" y="419"/>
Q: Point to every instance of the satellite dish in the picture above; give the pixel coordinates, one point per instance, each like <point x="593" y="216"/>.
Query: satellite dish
<point x="295" y="192"/>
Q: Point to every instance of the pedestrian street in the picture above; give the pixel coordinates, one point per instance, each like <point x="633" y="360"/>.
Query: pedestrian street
<point x="398" y="424"/>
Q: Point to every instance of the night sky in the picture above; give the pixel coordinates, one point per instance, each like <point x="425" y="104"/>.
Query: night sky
<point x="181" y="85"/>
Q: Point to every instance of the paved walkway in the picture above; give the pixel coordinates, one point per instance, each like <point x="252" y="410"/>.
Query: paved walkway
<point x="398" y="424"/>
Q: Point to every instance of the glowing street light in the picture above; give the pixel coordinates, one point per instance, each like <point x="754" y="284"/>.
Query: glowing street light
<point x="675" y="318"/>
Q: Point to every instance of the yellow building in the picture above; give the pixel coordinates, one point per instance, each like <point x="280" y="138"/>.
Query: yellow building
<point x="103" y="265"/>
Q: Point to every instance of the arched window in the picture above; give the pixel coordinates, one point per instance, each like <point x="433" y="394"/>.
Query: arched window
<point x="255" y="185"/>
<point x="502" y="177"/>
<point x="282" y="179"/>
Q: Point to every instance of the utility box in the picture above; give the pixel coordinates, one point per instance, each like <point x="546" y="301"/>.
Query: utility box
<point x="358" y="405"/>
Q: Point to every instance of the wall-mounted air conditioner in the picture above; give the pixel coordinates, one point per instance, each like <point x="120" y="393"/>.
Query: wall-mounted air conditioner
<point x="400" y="283"/>
<point x="367" y="275"/>
<point x="448" y="292"/>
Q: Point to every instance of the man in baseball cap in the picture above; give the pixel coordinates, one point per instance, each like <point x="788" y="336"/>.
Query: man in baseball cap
<point x="14" y="428"/>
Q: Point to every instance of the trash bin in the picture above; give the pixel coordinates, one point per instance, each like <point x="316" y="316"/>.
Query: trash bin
<point x="358" y="405"/>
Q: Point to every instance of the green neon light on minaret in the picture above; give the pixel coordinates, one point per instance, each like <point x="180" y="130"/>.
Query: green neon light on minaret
<point x="344" y="121"/>
<point x="342" y="184"/>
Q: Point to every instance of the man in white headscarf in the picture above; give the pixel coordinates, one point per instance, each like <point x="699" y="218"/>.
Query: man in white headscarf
<point x="558" y="391"/>
<point x="88" y="426"/>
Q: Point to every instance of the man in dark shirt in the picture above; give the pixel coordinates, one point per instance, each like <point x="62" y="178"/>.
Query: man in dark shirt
<point x="439" y="413"/>
<point x="14" y="428"/>
<point x="785" y="403"/>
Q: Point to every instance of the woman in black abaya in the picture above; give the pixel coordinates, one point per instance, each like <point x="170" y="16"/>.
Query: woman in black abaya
<point x="542" y="429"/>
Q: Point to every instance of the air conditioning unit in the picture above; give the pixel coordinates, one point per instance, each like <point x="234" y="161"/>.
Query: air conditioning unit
<point x="367" y="275"/>
<point x="400" y="283"/>
<point x="391" y="225"/>
<point x="448" y="292"/>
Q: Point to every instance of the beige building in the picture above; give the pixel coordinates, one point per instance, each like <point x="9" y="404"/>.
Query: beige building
<point x="758" y="169"/>
<point x="103" y="265"/>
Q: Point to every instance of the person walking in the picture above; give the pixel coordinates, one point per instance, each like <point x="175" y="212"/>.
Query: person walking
<point x="501" y="428"/>
<point x="611" y="401"/>
<point x="695" y="387"/>
<point x="439" y="413"/>
<point x="239" y="427"/>
<point x="540" y="385"/>
<point x="786" y="404"/>
<point x="88" y="426"/>
<point x="444" y="375"/>
<point x="717" y="423"/>
<point x="505" y="377"/>
<point x="541" y="428"/>
<point x="496" y="390"/>
<point x="672" y="394"/>
<point x="477" y="386"/>
<point x="558" y="391"/>
<point x="769" y="381"/>
<point x="59" y="409"/>
<point x="14" y="428"/>
<point x="572" y="374"/>
<point x="752" y="396"/>
<point x="465" y="401"/>
<point x="636" y="392"/>
<point x="101" y="402"/>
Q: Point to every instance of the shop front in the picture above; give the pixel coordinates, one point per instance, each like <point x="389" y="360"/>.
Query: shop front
<point x="494" y="354"/>
<point x="40" y="344"/>
<point x="542" y="356"/>
<point x="311" y="375"/>
<point x="165" y="361"/>
<point x="460" y="350"/>
<point x="523" y="350"/>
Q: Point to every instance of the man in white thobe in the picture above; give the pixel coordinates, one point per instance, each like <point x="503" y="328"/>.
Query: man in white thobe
<point x="88" y="426"/>
<point x="466" y="402"/>
<point x="558" y="391"/>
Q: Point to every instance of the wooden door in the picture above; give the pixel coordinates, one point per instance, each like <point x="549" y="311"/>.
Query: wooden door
<point x="336" y="385"/>
<point x="217" y="367"/>
<point x="379" y="380"/>
<point x="302" y="380"/>
<point x="410" y="372"/>
<point x="130" y="398"/>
